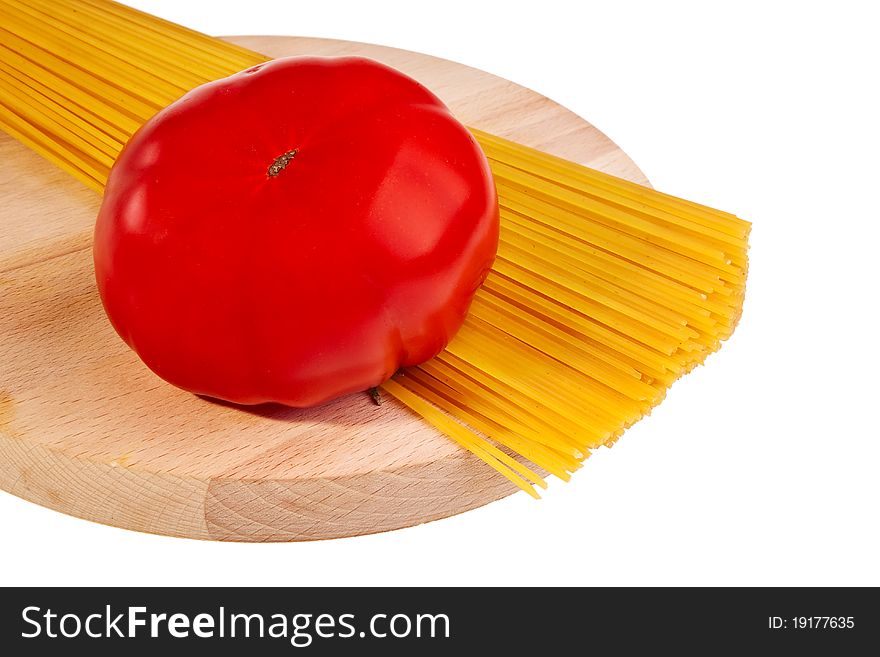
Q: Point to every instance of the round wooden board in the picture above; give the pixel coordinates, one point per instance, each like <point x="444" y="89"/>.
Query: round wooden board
<point x="86" y="429"/>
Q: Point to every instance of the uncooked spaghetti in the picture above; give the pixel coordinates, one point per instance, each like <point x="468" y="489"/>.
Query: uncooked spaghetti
<point x="604" y="292"/>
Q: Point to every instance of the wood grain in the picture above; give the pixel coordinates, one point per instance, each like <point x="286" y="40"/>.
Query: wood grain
<point x="86" y="429"/>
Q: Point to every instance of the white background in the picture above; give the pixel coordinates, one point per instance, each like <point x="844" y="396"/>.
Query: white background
<point x="759" y="468"/>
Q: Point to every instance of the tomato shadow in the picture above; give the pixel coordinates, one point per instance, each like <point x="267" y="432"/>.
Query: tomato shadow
<point x="352" y="409"/>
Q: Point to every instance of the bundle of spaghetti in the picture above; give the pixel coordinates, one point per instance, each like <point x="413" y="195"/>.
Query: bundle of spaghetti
<point x="603" y="293"/>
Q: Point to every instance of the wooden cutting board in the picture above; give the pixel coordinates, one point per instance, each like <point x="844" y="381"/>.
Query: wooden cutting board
<point x="87" y="429"/>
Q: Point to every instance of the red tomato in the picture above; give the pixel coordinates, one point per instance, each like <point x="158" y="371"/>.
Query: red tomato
<point x="294" y="232"/>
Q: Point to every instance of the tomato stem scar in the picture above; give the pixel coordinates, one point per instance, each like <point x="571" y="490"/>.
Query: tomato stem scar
<point x="375" y="396"/>
<point x="281" y="162"/>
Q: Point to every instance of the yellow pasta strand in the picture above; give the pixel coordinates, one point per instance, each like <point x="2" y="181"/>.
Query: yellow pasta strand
<point x="604" y="292"/>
